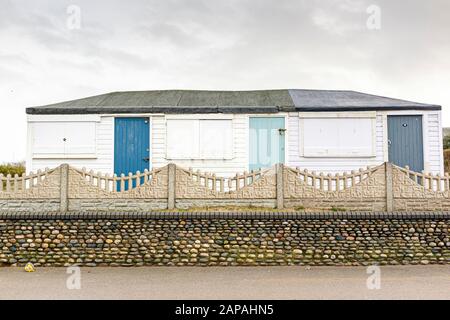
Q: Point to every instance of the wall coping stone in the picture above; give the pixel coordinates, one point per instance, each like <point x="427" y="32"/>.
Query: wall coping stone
<point x="253" y="215"/>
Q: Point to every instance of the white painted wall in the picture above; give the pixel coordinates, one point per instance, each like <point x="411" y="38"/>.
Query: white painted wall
<point x="432" y="134"/>
<point x="434" y="148"/>
<point x="436" y="160"/>
<point x="104" y="161"/>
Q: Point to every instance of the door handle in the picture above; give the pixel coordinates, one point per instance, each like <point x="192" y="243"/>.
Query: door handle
<point x="281" y="131"/>
<point x="146" y="159"/>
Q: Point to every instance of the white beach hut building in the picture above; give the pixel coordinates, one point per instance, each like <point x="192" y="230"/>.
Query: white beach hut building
<point x="225" y="132"/>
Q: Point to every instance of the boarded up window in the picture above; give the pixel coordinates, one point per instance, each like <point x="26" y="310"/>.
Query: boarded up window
<point x="339" y="137"/>
<point x="182" y="139"/>
<point x="216" y="139"/>
<point x="63" y="139"/>
<point x="199" y="139"/>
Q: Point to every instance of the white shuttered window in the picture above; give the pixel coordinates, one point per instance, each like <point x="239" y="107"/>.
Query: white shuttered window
<point x="341" y="136"/>
<point x="63" y="139"/>
<point x="199" y="139"/>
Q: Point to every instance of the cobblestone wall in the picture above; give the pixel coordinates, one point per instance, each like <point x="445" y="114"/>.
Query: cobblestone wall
<point x="224" y="240"/>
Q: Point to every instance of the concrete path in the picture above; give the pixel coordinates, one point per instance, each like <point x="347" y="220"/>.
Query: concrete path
<point x="397" y="282"/>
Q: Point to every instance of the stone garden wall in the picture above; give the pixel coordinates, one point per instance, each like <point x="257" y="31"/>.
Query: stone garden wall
<point x="224" y="239"/>
<point x="382" y="188"/>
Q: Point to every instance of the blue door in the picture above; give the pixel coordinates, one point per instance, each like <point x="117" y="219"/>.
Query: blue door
<point x="405" y="140"/>
<point x="267" y="138"/>
<point x="131" y="145"/>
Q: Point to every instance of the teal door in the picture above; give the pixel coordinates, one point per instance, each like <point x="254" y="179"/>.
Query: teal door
<point x="267" y="138"/>
<point x="405" y="140"/>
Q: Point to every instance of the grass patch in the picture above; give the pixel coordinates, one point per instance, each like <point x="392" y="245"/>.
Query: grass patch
<point x="12" y="168"/>
<point x="337" y="209"/>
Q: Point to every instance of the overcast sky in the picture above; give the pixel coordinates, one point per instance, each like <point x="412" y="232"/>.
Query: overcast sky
<point x="259" y="44"/>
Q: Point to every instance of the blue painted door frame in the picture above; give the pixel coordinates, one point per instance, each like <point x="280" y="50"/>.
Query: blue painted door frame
<point x="267" y="141"/>
<point x="405" y="141"/>
<point x="131" y="145"/>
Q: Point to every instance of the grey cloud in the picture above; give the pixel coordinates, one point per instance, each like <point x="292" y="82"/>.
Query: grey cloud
<point x="171" y="34"/>
<point x="212" y="44"/>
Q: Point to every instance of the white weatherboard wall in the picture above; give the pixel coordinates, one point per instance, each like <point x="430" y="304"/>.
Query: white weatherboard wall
<point x="432" y="146"/>
<point x="238" y="161"/>
<point x="435" y="153"/>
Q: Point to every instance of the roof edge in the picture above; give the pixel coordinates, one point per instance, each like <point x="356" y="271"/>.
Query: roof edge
<point x="217" y="109"/>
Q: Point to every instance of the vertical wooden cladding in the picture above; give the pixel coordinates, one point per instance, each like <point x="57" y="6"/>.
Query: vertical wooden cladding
<point x="131" y="145"/>
<point x="267" y="142"/>
<point x="405" y="138"/>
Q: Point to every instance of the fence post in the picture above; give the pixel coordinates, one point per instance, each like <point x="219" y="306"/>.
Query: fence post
<point x="64" y="187"/>
<point x="280" y="185"/>
<point x="171" y="186"/>
<point x="389" y="187"/>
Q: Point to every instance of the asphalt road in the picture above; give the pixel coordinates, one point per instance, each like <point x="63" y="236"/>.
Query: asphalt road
<point x="396" y="282"/>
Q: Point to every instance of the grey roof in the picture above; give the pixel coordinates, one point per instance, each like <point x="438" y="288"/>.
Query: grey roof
<point x="200" y="101"/>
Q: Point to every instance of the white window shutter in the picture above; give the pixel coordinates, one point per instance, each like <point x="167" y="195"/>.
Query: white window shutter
<point x="182" y="139"/>
<point x="63" y="139"/>
<point x="216" y="139"/>
<point x="48" y="137"/>
<point x="80" y="138"/>
<point x="338" y="137"/>
<point x="199" y="139"/>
